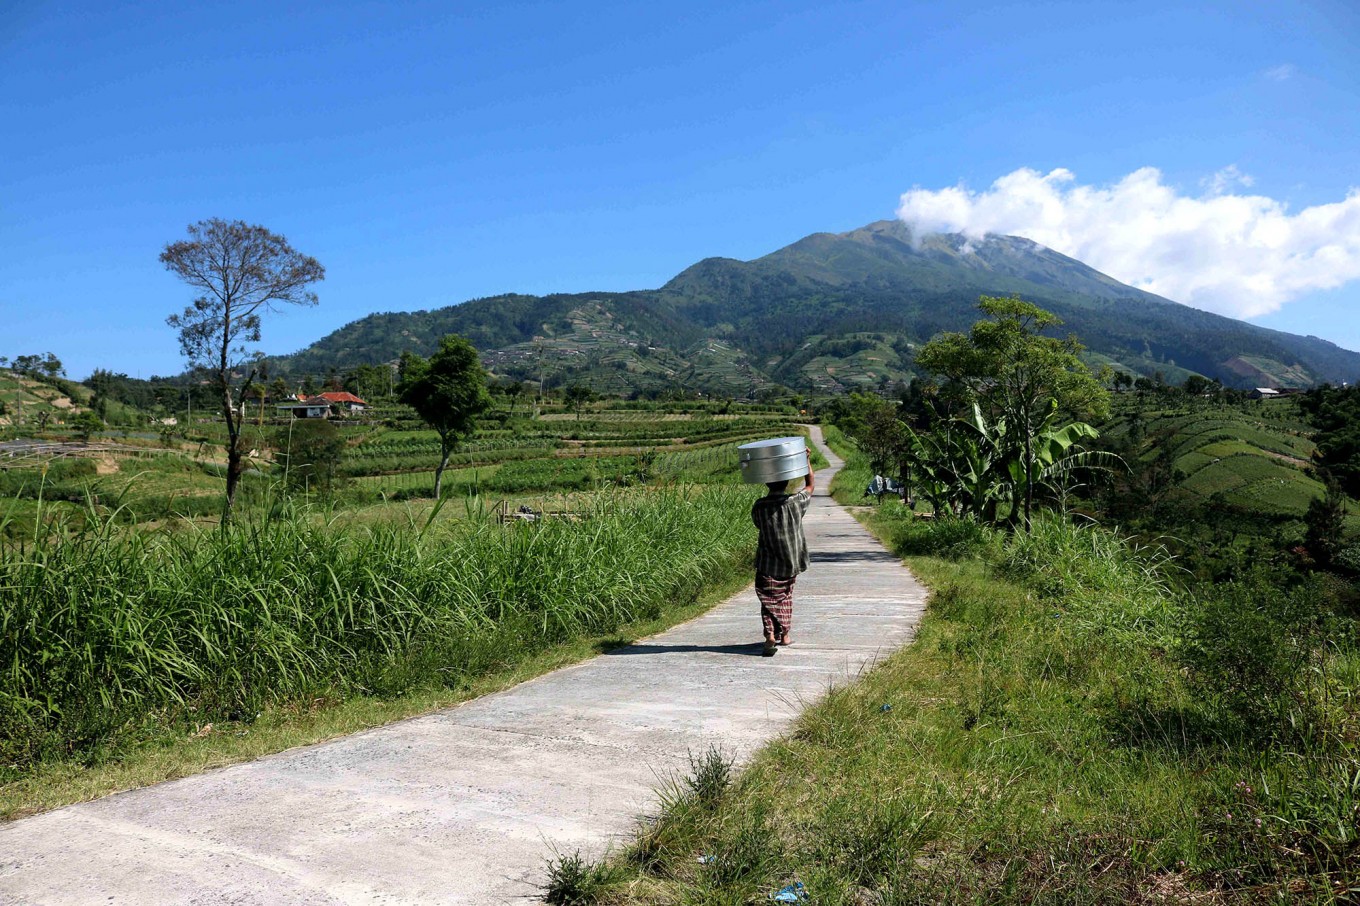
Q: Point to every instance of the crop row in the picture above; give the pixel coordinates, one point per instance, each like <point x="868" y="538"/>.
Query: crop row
<point x="1233" y="472"/>
<point x="426" y="444"/>
<point x="354" y="466"/>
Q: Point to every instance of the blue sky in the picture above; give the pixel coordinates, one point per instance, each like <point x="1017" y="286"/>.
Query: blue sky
<point x="431" y="153"/>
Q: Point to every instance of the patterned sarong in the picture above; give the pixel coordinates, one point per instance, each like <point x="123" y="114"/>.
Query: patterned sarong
<point x="776" y="604"/>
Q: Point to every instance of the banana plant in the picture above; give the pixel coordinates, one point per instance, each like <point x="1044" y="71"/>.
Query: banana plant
<point x="969" y="466"/>
<point x="960" y="466"/>
<point x="1049" y="458"/>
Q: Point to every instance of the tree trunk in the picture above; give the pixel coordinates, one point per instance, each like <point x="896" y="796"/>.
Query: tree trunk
<point x="445" y="449"/>
<point x="233" y="451"/>
<point x="1029" y="472"/>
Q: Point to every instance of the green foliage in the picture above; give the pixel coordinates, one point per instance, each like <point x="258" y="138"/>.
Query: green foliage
<point x="1326" y="525"/>
<point x="38" y="365"/>
<point x="448" y="392"/>
<point x="87" y="424"/>
<point x="877" y="431"/>
<point x="310" y="451"/>
<point x="573" y="881"/>
<point x="64" y="479"/>
<point x="108" y="626"/>
<point x="946" y="536"/>
<point x="709" y="778"/>
<point x="369" y="382"/>
<point x="577" y="395"/>
<point x="560" y="475"/>
<point x="1335" y="411"/>
<point x="1247" y="644"/>
<point x="1024" y="380"/>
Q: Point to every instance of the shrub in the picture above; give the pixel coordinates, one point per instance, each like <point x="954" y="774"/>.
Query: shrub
<point x="309" y="454"/>
<point x="955" y="538"/>
<point x="1248" y="643"/>
<point x="1348" y="559"/>
<point x="572" y="880"/>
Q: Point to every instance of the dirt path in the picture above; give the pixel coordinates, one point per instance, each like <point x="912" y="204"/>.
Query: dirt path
<point x="465" y="805"/>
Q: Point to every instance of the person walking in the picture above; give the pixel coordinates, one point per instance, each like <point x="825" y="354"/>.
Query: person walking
<point x="781" y="554"/>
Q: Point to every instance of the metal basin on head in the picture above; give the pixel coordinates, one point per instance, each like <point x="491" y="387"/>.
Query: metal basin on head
<point x="777" y="459"/>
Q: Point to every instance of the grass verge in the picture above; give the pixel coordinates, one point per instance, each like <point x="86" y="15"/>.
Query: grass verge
<point x="129" y="658"/>
<point x="1043" y="741"/>
<point x="177" y="750"/>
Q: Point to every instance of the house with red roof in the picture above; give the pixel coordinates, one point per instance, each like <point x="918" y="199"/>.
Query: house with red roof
<point x="346" y="401"/>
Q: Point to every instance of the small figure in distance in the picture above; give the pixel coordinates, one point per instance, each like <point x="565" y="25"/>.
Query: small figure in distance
<point x="781" y="554"/>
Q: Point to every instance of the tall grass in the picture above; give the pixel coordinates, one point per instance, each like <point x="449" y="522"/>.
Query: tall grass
<point x="103" y="628"/>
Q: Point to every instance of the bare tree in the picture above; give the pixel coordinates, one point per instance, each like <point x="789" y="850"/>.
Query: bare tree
<point x="242" y="271"/>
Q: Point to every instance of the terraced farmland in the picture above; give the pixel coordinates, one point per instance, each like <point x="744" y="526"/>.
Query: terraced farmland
<point x="1253" y="457"/>
<point x="519" y="458"/>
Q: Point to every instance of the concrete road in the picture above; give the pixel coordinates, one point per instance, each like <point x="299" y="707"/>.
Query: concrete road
<point x="464" y="806"/>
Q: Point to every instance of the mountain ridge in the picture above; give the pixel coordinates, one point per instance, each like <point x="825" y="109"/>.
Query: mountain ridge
<point x="828" y="312"/>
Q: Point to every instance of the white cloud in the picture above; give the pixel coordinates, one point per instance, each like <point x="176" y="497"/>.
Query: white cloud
<point x="1235" y="254"/>
<point x="1225" y="179"/>
<point x="1282" y="73"/>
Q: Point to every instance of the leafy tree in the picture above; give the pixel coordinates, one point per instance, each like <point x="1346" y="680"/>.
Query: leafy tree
<point x="242" y="271"/>
<point x="448" y="391"/>
<point x="873" y="423"/>
<point x="167" y="397"/>
<point x="513" y="391"/>
<point x="309" y="451"/>
<point x="369" y="381"/>
<point x="576" y="396"/>
<point x="258" y="393"/>
<point x="278" y="389"/>
<point x="86" y="424"/>
<point x="1018" y="375"/>
<point x="1335" y="412"/>
<point x="1326" y="525"/>
<point x="1198" y="385"/>
<point x="39" y="365"/>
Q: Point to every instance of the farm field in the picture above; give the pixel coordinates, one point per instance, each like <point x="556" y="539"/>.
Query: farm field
<point x="27" y="397"/>
<point x="139" y="623"/>
<point x="389" y="457"/>
<point x="1253" y="457"/>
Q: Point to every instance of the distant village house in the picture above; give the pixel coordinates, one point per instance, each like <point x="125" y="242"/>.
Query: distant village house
<point x="308" y="408"/>
<point x="321" y="406"/>
<point x="347" y="402"/>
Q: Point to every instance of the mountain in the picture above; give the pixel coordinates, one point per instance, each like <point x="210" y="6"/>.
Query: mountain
<point x="832" y="311"/>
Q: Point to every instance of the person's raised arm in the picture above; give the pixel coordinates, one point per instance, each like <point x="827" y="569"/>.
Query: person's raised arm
<point x="809" y="483"/>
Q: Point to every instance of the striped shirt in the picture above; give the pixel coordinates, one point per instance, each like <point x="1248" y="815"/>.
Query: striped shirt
<point x="782" y="549"/>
